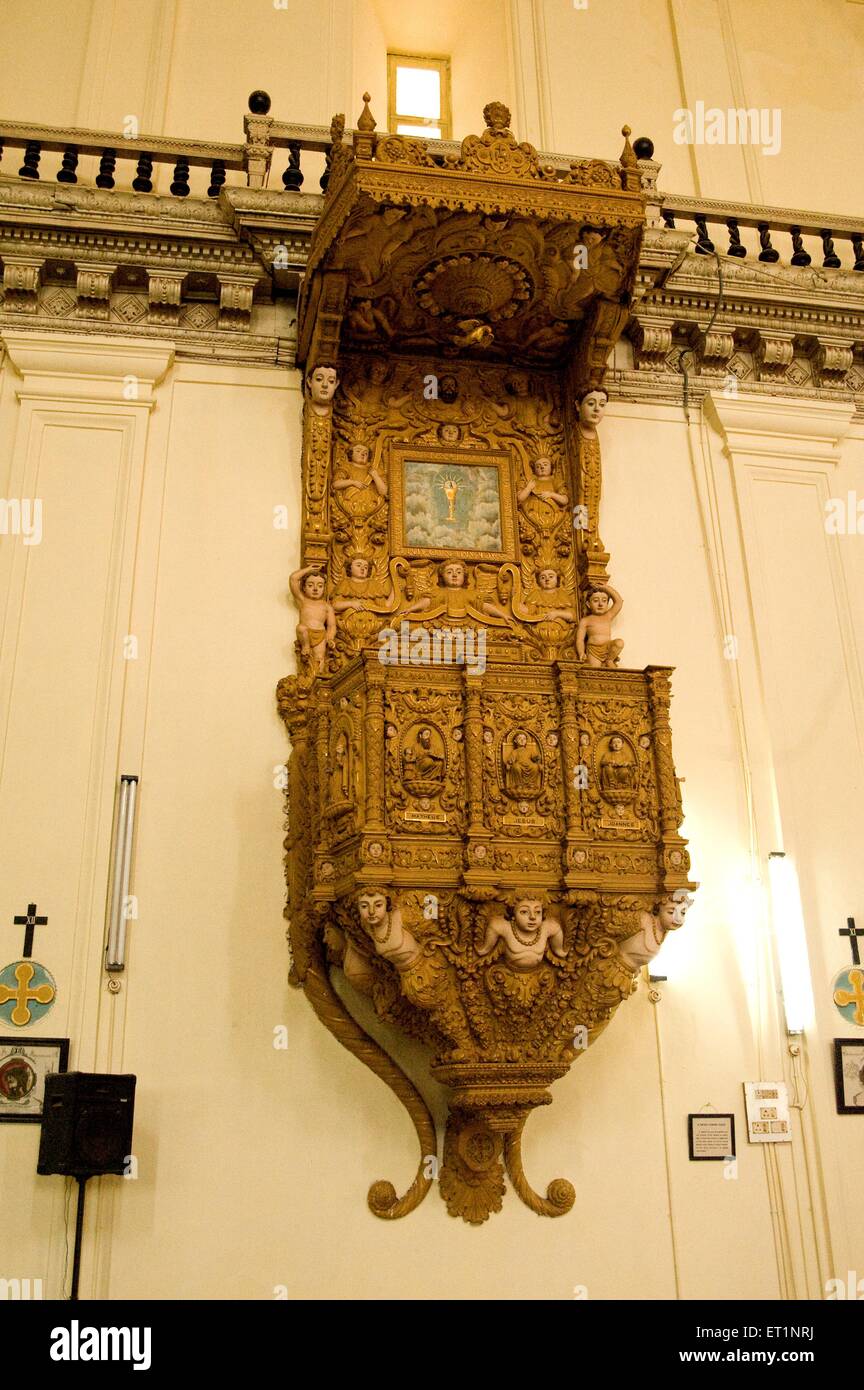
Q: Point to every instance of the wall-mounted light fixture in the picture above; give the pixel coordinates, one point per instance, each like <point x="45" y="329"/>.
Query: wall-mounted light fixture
<point x="791" y="943"/>
<point x="124" y="829"/>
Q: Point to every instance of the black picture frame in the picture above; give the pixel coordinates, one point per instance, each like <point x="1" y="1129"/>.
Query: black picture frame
<point x="842" y="1045"/>
<point x="58" y="1046"/>
<point x="730" y="1149"/>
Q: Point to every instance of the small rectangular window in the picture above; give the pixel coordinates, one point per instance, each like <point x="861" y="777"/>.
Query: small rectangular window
<point x="418" y="95"/>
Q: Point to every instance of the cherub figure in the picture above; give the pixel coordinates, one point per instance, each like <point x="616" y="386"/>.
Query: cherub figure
<point x="526" y="936"/>
<point x="543" y="484"/>
<point x="542" y="601"/>
<point x="321" y="384"/>
<point x="356" y="476"/>
<point x="666" y="915"/>
<point x="360" y="588"/>
<point x="317" y="627"/>
<point x="594" y="643"/>
<point x="456" y="595"/>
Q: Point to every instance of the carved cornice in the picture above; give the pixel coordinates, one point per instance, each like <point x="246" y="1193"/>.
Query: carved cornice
<point x="50" y="233"/>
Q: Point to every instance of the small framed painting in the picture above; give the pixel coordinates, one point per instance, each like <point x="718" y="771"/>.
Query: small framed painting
<point x="849" y="1075"/>
<point x="712" y="1138"/>
<point x="23" y="1068"/>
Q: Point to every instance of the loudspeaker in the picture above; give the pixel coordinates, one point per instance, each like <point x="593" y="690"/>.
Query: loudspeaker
<point x="86" y="1124"/>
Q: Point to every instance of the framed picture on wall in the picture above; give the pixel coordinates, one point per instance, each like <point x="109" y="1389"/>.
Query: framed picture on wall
<point x="849" y="1075"/>
<point x="23" y="1068"/>
<point x="711" y="1137"/>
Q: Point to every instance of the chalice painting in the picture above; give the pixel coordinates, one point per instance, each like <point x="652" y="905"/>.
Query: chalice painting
<point x="443" y="503"/>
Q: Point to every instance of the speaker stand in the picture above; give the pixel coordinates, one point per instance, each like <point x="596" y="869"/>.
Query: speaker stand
<point x="79" y="1231"/>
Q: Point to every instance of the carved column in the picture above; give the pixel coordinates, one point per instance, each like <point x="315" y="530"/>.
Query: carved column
<point x="575" y="851"/>
<point x="317" y="436"/>
<point x="374" y="745"/>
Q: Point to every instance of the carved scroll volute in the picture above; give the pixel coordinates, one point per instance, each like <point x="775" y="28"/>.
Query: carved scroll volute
<point x="667" y="782"/>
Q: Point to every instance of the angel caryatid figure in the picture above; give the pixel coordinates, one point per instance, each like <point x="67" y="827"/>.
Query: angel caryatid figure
<point x="525" y="936"/>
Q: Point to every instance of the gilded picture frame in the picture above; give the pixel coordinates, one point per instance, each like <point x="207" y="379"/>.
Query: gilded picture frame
<point x="452" y="500"/>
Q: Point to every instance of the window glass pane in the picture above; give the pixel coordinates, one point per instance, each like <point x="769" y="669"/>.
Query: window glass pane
<point x="426" y="132"/>
<point x="418" y="92"/>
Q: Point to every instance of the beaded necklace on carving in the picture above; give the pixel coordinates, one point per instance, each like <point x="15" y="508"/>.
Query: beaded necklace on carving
<point x="382" y="940"/>
<point x="526" y="940"/>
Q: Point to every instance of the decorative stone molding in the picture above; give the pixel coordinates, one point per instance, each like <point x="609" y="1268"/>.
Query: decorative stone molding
<point x="832" y="360"/>
<point x="21" y="279"/>
<point x="652" y="340"/>
<point x="781" y="430"/>
<point x="93" y="287"/>
<point x="74" y="366"/>
<point x="235" y="302"/>
<point x="773" y="354"/>
<point x="164" y="293"/>
<point x="713" y="349"/>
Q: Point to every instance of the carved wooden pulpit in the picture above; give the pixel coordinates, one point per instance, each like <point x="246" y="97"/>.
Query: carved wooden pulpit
<point x="484" y="813"/>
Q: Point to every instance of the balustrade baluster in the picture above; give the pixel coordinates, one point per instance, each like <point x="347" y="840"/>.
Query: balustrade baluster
<point x="180" y="185"/>
<point x="217" y="178"/>
<point x="669" y="220"/>
<point x="858" y="248"/>
<point x="107" y="164"/>
<point x="800" y="256"/>
<point x="293" y="176"/>
<point x="735" y="247"/>
<point x="32" y="154"/>
<point x="67" y="174"/>
<point x="830" y="259"/>
<point x="768" y="253"/>
<point x="704" y="245"/>
<point x="142" y="182"/>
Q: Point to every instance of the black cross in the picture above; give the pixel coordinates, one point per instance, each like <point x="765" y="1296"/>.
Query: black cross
<point x="853" y="933"/>
<point x="31" y="922"/>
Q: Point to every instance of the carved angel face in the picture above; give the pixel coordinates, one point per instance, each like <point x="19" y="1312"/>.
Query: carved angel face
<point x="543" y="467"/>
<point x="313" y="586"/>
<point x="359" y="453"/>
<point x="449" y="434"/>
<point x="673" y="909"/>
<point x="592" y="406"/>
<point x="528" y="913"/>
<point x="548" y="579"/>
<point x="453" y="575"/>
<point x="598" y="601"/>
<point x="372" y="908"/>
<point x="322" y="384"/>
<point x="358" y="568"/>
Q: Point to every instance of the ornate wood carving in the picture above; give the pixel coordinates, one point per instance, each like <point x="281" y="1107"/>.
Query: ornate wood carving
<point x="483" y="826"/>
